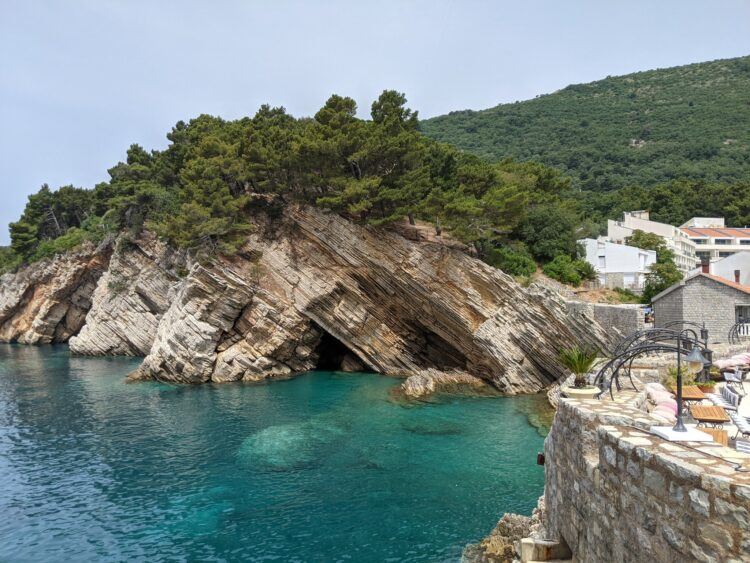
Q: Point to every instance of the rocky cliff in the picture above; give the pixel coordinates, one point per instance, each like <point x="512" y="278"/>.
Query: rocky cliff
<point x="48" y="302"/>
<point x="129" y="300"/>
<point x="309" y="289"/>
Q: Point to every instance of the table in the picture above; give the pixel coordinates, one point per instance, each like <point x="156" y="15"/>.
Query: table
<point x="714" y="416"/>
<point x="719" y="436"/>
<point x="689" y="393"/>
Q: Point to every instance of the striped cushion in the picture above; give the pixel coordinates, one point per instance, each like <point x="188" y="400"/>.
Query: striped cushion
<point x="671" y="404"/>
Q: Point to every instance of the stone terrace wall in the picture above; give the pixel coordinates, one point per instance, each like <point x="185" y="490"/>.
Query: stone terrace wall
<point x="623" y="319"/>
<point x="616" y="493"/>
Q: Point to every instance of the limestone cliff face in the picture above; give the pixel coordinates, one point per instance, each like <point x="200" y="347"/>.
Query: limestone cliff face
<point x="402" y="307"/>
<point x="309" y="289"/>
<point x="48" y="301"/>
<point x="129" y="300"/>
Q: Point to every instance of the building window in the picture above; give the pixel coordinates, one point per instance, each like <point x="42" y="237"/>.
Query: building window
<point x="703" y="254"/>
<point x="699" y="240"/>
<point x="723" y="241"/>
<point x="602" y="262"/>
<point x="745" y="241"/>
<point x="725" y="254"/>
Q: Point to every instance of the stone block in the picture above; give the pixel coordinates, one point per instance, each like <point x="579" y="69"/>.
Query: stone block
<point x="731" y="513"/>
<point x="654" y="481"/>
<point x="676" y="493"/>
<point x="699" y="501"/>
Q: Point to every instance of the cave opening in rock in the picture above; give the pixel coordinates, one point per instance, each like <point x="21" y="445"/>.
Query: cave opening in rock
<point x="334" y="355"/>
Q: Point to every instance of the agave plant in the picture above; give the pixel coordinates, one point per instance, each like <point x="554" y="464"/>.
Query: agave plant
<point x="579" y="361"/>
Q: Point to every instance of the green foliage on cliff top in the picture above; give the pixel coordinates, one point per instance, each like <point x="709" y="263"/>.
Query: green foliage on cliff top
<point x="197" y="193"/>
<point x="640" y="129"/>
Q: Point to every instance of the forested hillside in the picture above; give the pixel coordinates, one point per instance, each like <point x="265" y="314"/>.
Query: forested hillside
<point x="636" y="130"/>
<point x="199" y="193"/>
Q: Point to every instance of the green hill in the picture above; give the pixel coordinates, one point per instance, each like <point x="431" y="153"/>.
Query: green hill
<point x="640" y="129"/>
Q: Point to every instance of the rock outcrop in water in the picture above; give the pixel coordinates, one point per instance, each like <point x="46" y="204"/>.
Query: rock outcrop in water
<point x="309" y="289"/>
<point x="48" y="301"/>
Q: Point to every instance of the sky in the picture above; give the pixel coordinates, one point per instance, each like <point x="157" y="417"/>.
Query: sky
<point x="80" y="80"/>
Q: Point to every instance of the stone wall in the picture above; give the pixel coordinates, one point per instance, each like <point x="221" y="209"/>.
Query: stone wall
<point x="614" y="492"/>
<point x="668" y="309"/>
<point x="700" y="300"/>
<point x="615" y="319"/>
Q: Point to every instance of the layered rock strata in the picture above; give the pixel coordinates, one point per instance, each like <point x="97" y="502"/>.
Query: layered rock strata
<point x="129" y="300"/>
<point x="306" y="288"/>
<point x="401" y="307"/>
<point x="48" y="301"/>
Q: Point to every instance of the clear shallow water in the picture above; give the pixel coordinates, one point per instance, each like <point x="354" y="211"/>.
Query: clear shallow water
<point x="323" y="467"/>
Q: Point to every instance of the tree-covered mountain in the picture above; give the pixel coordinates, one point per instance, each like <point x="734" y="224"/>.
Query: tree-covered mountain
<point x="641" y="129"/>
<point x="199" y="194"/>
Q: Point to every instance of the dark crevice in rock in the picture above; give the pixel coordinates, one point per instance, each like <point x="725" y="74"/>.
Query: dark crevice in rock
<point x="330" y="351"/>
<point x="334" y="355"/>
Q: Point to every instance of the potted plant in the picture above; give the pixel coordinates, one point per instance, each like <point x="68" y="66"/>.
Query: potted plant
<point x="715" y="374"/>
<point x="579" y="361"/>
<point x="706" y="386"/>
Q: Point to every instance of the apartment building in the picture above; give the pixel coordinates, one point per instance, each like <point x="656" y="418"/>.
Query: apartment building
<point x="676" y="239"/>
<point x="713" y="240"/>
<point x="734" y="268"/>
<point x="618" y="265"/>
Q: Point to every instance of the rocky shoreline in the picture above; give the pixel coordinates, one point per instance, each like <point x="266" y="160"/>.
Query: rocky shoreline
<point x="308" y="290"/>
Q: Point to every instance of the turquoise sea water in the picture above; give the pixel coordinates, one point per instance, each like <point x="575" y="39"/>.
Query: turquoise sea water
<point x="324" y="467"/>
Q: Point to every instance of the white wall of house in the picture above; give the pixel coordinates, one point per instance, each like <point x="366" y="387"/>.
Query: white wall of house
<point x="618" y="265"/>
<point x="676" y="239"/>
<point x="725" y="267"/>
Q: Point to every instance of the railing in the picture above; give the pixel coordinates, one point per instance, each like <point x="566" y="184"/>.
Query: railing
<point x="740" y="331"/>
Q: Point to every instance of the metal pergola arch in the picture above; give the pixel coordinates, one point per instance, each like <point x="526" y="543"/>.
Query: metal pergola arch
<point x="640" y="343"/>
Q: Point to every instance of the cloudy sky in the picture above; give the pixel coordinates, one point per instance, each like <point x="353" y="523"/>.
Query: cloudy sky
<point x="80" y="80"/>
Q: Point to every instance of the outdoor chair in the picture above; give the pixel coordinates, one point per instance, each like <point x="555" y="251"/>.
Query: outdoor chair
<point x="742" y="424"/>
<point x="734" y="380"/>
<point x="728" y="399"/>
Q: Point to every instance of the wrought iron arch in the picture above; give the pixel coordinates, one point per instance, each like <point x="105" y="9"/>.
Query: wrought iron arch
<point x="641" y="343"/>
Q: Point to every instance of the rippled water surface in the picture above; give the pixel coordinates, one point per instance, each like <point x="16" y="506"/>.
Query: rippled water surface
<point x="324" y="467"/>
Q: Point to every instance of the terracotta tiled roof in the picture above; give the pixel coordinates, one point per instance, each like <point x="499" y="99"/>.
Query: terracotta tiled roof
<point x="715" y="232"/>
<point x="725" y="281"/>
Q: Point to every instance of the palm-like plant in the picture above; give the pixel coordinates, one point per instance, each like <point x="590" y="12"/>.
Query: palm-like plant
<point x="579" y="361"/>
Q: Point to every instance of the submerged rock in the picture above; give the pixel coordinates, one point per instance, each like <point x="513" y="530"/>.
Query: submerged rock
<point x="286" y="447"/>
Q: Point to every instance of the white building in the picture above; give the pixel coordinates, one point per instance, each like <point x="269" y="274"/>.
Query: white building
<point x="734" y="268"/>
<point x="618" y="265"/>
<point x="713" y="241"/>
<point x="677" y="241"/>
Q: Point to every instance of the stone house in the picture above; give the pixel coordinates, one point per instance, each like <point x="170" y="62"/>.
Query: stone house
<point x="704" y="298"/>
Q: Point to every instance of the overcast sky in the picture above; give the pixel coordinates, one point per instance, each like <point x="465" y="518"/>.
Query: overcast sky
<point x="80" y="80"/>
